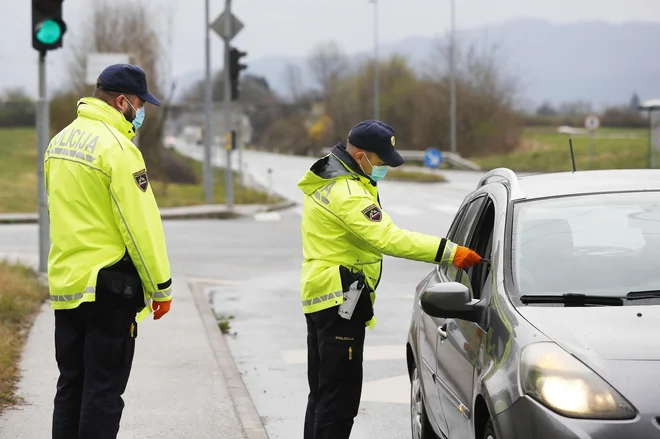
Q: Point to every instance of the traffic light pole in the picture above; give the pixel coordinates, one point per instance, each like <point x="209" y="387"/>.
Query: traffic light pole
<point x="43" y="135"/>
<point x="208" y="134"/>
<point x="229" y="177"/>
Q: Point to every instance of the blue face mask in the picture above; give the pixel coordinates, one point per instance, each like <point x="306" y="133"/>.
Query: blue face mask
<point x="139" y="116"/>
<point x="377" y="172"/>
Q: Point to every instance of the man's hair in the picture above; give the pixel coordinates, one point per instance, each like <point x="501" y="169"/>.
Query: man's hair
<point x="105" y="95"/>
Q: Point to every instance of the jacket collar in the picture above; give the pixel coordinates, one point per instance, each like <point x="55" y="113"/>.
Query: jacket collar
<point x="339" y="150"/>
<point x="96" y="109"/>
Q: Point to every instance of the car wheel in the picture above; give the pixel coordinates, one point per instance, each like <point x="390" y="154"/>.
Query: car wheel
<point x="419" y="422"/>
<point x="489" y="431"/>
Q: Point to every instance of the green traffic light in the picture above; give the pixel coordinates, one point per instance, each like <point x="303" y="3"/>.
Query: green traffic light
<point x="49" y="32"/>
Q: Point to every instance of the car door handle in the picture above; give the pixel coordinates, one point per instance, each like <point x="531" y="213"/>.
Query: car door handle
<point x="442" y="331"/>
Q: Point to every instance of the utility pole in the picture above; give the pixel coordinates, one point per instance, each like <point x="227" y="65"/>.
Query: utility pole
<point x="452" y="78"/>
<point x="376" y="64"/>
<point x="208" y="96"/>
<point x="229" y="180"/>
<point x="43" y="133"/>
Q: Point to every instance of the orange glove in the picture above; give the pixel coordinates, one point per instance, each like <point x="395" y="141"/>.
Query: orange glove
<point x="466" y="258"/>
<point x="160" y="308"/>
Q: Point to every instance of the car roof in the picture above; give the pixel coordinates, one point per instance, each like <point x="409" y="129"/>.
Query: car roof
<point x="575" y="183"/>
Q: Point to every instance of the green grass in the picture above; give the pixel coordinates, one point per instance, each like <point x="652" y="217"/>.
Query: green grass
<point x="21" y="294"/>
<point x="18" y="179"/>
<point x="417" y="176"/>
<point x="546" y="150"/>
<point x="175" y="195"/>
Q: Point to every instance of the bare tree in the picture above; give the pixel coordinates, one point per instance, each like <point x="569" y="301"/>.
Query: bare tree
<point x="293" y="76"/>
<point x="125" y="26"/>
<point x="329" y="65"/>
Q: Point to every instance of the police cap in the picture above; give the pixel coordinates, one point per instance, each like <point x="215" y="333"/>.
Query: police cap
<point x="126" y="78"/>
<point x="377" y="137"/>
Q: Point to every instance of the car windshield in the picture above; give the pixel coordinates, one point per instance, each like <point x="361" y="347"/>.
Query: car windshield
<point x="602" y="244"/>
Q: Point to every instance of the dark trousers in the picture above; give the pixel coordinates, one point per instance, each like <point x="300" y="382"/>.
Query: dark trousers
<point x="94" y="349"/>
<point x="334" y="371"/>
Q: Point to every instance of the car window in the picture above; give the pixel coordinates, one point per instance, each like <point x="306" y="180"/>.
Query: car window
<point x="594" y="244"/>
<point x="467" y="222"/>
<point x="461" y="234"/>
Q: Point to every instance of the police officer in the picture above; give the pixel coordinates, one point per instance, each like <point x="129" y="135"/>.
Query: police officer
<point x="345" y="234"/>
<point x="108" y="266"/>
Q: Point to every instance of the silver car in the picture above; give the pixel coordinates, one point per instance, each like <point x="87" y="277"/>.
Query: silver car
<point x="557" y="334"/>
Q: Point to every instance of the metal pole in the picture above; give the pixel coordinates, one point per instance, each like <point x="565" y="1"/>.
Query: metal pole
<point x="208" y="96"/>
<point x="43" y="134"/>
<point x="591" y="150"/>
<point x="228" y="119"/>
<point x="650" y="138"/>
<point x="376" y="64"/>
<point x="452" y="79"/>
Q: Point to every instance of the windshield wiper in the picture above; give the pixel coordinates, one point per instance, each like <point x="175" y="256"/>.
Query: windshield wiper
<point x="640" y="295"/>
<point x="572" y="299"/>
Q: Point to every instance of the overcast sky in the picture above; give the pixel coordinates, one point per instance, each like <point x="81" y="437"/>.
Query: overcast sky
<point x="293" y="27"/>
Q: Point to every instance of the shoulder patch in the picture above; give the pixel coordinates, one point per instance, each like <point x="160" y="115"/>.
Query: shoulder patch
<point x="141" y="179"/>
<point x="373" y="213"/>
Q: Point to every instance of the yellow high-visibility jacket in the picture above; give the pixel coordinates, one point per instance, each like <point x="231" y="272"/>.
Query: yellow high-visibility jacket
<point x="101" y="206"/>
<point x="344" y="225"/>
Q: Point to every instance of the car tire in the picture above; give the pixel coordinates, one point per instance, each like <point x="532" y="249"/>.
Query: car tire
<point x="419" y="421"/>
<point x="489" y="431"/>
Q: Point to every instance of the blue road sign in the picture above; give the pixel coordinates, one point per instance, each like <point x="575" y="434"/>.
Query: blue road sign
<point x="433" y="158"/>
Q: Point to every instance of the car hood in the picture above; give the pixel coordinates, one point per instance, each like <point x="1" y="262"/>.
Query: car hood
<point x="599" y="332"/>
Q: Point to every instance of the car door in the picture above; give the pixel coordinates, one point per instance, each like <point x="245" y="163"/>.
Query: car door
<point x="459" y="229"/>
<point x="457" y="349"/>
<point x="428" y="334"/>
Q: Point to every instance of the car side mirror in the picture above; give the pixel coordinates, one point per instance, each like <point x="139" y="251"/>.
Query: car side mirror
<point x="451" y="300"/>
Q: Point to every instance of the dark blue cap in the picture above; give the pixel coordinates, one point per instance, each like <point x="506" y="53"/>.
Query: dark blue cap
<point x="126" y="78"/>
<point x="377" y="137"/>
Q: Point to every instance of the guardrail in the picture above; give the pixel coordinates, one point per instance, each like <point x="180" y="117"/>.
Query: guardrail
<point x="449" y="157"/>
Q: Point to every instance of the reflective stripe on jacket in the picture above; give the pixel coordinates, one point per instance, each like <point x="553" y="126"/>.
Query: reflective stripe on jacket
<point x="344" y="225"/>
<point x="101" y="206"/>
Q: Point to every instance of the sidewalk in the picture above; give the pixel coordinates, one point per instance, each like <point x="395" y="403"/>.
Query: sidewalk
<point x="172" y="213"/>
<point x="184" y="383"/>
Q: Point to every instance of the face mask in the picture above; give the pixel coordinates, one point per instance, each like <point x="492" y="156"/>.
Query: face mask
<point x="139" y="116"/>
<point x="377" y="172"/>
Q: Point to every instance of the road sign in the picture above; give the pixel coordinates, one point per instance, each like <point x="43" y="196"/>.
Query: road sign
<point x="433" y="158"/>
<point x="97" y="62"/>
<point x="227" y="33"/>
<point x="592" y="122"/>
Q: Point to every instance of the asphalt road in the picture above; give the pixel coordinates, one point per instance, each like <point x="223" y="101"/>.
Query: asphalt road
<point x="254" y="266"/>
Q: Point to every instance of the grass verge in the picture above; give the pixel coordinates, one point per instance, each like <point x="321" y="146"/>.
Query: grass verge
<point x="546" y="150"/>
<point x="18" y="179"/>
<point x="21" y="294"/>
<point x="416" y="176"/>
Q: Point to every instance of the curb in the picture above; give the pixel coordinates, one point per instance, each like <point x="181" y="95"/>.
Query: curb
<point x="246" y="412"/>
<point x="33" y="218"/>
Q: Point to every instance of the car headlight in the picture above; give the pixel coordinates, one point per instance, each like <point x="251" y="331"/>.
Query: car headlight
<point x="567" y="386"/>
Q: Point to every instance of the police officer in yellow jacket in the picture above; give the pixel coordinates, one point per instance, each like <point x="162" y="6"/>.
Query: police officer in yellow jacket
<point x="108" y="266"/>
<point x="345" y="234"/>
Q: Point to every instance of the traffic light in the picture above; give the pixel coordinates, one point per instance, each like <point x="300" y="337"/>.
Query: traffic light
<point x="235" y="68"/>
<point x="47" y="25"/>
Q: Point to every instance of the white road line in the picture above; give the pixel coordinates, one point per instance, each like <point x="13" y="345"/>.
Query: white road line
<point x="371" y="353"/>
<point x="394" y="390"/>
<point x="445" y="208"/>
<point x="267" y="216"/>
<point x="402" y="210"/>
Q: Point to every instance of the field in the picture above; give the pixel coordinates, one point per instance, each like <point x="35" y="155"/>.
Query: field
<point x="545" y="150"/>
<point x="18" y="179"/>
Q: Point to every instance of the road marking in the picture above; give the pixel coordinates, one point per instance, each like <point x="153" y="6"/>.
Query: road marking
<point x="403" y="210"/>
<point x="371" y="353"/>
<point x="267" y="216"/>
<point x="445" y="208"/>
<point x="394" y="390"/>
